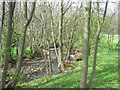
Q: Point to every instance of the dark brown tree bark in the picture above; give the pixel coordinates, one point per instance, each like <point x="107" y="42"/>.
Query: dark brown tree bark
<point x="8" y="42"/>
<point x="1" y="29"/>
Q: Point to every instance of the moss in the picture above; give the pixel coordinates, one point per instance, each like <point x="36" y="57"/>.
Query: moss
<point x="68" y="65"/>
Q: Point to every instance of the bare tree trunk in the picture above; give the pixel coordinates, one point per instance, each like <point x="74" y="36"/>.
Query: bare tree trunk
<point x="86" y="45"/>
<point x="8" y="42"/>
<point x="49" y="58"/>
<point x="60" y="63"/>
<point x="19" y="63"/>
<point x="53" y="35"/>
<point x="97" y="42"/>
<point x="70" y="43"/>
<point x="1" y="30"/>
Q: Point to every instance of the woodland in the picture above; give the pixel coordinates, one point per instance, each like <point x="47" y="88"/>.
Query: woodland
<point x="59" y="44"/>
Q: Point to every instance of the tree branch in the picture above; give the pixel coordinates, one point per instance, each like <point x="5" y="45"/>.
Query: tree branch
<point x="68" y="8"/>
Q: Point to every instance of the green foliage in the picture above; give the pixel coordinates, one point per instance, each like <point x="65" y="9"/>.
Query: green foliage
<point x="28" y="51"/>
<point x="79" y="42"/>
<point x="20" y="78"/>
<point x="14" y="55"/>
<point x="104" y="42"/>
<point x="3" y="52"/>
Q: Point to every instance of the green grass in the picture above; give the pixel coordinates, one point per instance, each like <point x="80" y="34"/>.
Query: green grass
<point x="107" y="69"/>
<point x="106" y="74"/>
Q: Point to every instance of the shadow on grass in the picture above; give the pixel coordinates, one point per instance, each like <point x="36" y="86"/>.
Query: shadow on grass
<point x="63" y="80"/>
<point x="106" y="77"/>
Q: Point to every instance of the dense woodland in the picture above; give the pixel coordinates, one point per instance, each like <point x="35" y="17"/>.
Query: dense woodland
<point x="59" y="44"/>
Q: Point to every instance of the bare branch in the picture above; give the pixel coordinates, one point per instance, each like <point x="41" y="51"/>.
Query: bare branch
<point x="68" y="8"/>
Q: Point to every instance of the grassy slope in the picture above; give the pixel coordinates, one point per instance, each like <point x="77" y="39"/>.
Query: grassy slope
<point x="106" y="74"/>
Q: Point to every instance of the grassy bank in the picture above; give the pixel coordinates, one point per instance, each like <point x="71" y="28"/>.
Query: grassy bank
<point x="106" y="74"/>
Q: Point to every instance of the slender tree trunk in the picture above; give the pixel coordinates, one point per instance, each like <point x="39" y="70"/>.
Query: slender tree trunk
<point x="96" y="44"/>
<point x="25" y="9"/>
<point x="8" y="42"/>
<point x="60" y="63"/>
<point x="53" y="35"/>
<point x="49" y="58"/>
<point x="1" y="30"/>
<point x="86" y="45"/>
<point x="70" y="44"/>
<point x="19" y="63"/>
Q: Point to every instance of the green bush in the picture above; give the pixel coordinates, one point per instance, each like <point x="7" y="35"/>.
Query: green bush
<point x="79" y="42"/>
<point x="28" y="52"/>
<point x="14" y="53"/>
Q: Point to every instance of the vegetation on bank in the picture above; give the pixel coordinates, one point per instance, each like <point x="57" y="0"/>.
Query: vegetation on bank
<point x="42" y="39"/>
<point x="106" y="75"/>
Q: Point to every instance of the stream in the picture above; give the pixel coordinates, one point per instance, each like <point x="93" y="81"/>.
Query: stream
<point x="41" y="74"/>
<point x="35" y="68"/>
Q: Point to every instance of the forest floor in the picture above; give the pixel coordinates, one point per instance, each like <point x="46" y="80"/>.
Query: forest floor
<point x="106" y="75"/>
